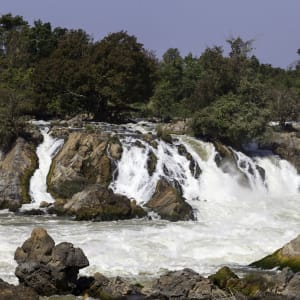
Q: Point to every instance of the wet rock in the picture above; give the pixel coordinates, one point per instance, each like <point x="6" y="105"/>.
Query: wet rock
<point x="194" y="167"/>
<point x="184" y="285"/>
<point x="20" y="292"/>
<point x="46" y="268"/>
<point x="115" y="148"/>
<point x="151" y="163"/>
<point x="169" y="203"/>
<point x="82" y="161"/>
<point x="101" y="204"/>
<point x="16" y="168"/>
<point x="287" y="146"/>
<point x="176" y="127"/>
<point x="44" y="204"/>
<point x="287" y="256"/>
<point x="32" y="212"/>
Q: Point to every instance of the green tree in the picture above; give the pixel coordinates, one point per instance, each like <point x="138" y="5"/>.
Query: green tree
<point x="231" y="120"/>
<point x="124" y="75"/>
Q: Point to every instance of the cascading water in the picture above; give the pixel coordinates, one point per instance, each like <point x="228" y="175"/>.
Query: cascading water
<point x="243" y="213"/>
<point x="45" y="152"/>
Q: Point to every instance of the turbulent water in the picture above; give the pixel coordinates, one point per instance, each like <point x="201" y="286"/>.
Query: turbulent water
<point x="245" y="209"/>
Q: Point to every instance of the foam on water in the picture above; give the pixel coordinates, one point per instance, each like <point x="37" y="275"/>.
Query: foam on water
<point x="45" y="152"/>
<point x="237" y="222"/>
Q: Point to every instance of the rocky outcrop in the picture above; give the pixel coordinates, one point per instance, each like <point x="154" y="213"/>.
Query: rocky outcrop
<point x="113" y="289"/>
<point x="287" y="146"/>
<point x="185" y="284"/>
<point x="287" y="256"/>
<point x="48" y="268"/>
<point x="16" y="168"/>
<point x="100" y="204"/>
<point x="169" y="203"/>
<point x="82" y="161"/>
<point x="194" y="167"/>
<point x="20" y="292"/>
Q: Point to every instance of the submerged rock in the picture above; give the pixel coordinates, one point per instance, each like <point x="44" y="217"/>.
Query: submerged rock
<point x="169" y="203"/>
<point x="287" y="256"/>
<point x="101" y="204"/>
<point x="16" y="168"/>
<point x="46" y="268"/>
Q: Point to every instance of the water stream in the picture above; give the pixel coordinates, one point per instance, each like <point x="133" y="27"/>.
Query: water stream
<point x="237" y="222"/>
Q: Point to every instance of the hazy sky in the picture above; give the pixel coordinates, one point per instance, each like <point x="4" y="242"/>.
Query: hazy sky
<point x="190" y="25"/>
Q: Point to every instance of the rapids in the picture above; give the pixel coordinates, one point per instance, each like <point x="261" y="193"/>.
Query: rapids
<point x="241" y="215"/>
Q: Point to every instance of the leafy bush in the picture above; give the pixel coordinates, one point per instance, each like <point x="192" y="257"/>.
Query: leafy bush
<point x="230" y="120"/>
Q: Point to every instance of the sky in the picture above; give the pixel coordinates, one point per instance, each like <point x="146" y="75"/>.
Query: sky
<point x="189" y="25"/>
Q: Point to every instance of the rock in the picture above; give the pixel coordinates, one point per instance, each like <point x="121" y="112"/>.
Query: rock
<point x="287" y="256"/>
<point x="20" y="292"/>
<point x="115" y="148"/>
<point x="176" y="127"/>
<point x="46" y="268"/>
<point x="292" y="289"/>
<point x="16" y="168"/>
<point x="82" y="161"/>
<point x="287" y="146"/>
<point x="44" y="204"/>
<point x="98" y="203"/>
<point x="32" y="212"/>
<point x="168" y="202"/>
<point x="151" y="163"/>
<point x="194" y="167"/>
<point x="185" y="284"/>
<point x="114" y="289"/>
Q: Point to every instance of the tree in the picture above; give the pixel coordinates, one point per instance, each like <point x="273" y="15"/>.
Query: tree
<point x="11" y="124"/>
<point x="285" y="105"/>
<point x="231" y="120"/>
<point x="124" y="75"/>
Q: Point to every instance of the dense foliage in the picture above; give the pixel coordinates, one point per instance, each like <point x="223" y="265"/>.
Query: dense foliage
<point x="50" y="72"/>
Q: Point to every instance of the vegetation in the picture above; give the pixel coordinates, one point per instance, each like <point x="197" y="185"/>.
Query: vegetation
<point x="48" y="72"/>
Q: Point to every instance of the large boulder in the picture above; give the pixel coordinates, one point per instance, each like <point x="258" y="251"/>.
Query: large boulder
<point x="20" y="292"/>
<point x="46" y="268"/>
<point x="169" y="203"/>
<point x="83" y="160"/>
<point x="16" y="168"/>
<point x="287" y="256"/>
<point x="101" y="204"/>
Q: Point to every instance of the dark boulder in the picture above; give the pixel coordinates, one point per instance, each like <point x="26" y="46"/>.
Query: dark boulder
<point x="46" y="268"/>
<point x="169" y="203"/>
<point x="101" y="204"/>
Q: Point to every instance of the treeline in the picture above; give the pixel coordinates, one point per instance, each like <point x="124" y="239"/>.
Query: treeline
<point x="48" y="72"/>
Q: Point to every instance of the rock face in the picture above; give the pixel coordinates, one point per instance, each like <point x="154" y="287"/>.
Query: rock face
<point x="287" y="256"/>
<point x="185" y="284"/>
<point x="101" y="204"/>
<point x="168" y="202"/>
<point x="82" y="161"/>
<point x="20" y="292"/>
<point x="287" y="146"/>
<point x="46" y="268"/>
<point x="16" y="168"/>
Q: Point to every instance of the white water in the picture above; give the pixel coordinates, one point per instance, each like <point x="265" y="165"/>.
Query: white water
<point x="45" y="152"/>
<point x="237" y="223"/>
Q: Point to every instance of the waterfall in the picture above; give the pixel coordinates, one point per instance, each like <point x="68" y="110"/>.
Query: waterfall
<point x="216" y="195"/>
<point x="246" y="208"/>
<point x="45" y="152"/>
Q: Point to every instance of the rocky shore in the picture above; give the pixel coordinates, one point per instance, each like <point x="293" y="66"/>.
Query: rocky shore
<point x="46" y="269"/>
